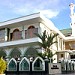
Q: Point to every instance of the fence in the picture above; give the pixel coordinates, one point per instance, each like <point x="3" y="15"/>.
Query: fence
<point x="38" y="67"/>
<point x="67" y="66"/>
<point x="25" y="67"/>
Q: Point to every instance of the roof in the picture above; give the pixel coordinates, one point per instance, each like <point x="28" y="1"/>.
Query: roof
<point x="66" y="32"/>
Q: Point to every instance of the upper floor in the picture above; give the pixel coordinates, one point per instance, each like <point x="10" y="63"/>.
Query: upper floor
<point x="22" y="30"/>
<point x="18" y="33"/>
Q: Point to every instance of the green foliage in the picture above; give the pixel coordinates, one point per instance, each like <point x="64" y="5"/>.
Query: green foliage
<point x="46" y="42"/>
<point x="42" y="55"/>
<point x="43" y="39"/>
<point x="2" y="65"/>
<point x="50" y="39"/>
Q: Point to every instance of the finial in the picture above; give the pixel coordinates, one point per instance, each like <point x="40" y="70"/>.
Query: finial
<point x="72" y="5"/>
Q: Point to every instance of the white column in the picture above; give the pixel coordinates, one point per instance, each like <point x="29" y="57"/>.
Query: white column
<point x="6" y="34"/>
<point x="23" y="32"/>
<point x="72" y="16"/>
<point x="58" y="43"/>
<point x="62" y="44"/>
<point x="72" y="8"/>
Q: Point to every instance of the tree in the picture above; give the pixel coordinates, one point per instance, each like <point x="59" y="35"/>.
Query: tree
<point x="46" y="42"/>
<point x="2" y="65"/>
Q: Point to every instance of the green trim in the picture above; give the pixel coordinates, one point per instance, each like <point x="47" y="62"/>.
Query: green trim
<point x="66" y="32"/>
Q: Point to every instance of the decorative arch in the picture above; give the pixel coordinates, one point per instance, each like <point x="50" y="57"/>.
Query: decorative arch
<point x="38" y="64"/>
<point x="2" y="53"/>
<point x="31" y="27"/>
<point x="24" y="64"/>
<point x="31" y="52"/>
<point x="15" y="53"/>
<point x="16" y="30"/>
<point x="12" y="65"/>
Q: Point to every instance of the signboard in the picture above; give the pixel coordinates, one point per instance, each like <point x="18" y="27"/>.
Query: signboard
<point x="54" y="68"/>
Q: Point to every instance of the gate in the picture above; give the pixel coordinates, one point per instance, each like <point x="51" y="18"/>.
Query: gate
<point x="25" y="67"/>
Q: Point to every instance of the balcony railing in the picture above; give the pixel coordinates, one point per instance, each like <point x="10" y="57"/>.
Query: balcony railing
<point x="30" y="33"/>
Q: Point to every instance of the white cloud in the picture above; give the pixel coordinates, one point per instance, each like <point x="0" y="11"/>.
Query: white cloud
<point x="50" y="8"/>
<point x="49" y="13"/>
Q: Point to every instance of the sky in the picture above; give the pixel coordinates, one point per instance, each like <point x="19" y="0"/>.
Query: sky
<point x="57" y="11"/>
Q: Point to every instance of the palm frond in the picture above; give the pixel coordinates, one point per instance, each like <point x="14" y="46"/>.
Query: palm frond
<point x="38" y="35"/>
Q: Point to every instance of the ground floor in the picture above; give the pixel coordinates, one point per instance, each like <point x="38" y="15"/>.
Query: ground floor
<point x="39" y="66"/>
<point x="19" y="52"/>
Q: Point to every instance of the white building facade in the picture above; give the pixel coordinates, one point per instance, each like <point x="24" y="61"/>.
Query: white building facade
<point x="17" y="37"/>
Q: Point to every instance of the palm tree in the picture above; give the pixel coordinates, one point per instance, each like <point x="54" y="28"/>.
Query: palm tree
<point x="46" y="42"/>
<point x="43" y="39"/>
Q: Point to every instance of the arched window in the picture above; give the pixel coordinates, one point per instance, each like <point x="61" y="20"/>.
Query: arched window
<point x="31" y="52"/>
<point x="16" y="34"/>
<point x="12" y="65"/>
<point x="24" y="65"/>
<point x="15" y="53"/>
<point x="29" y="33"/>
<point x="38" y="64"/>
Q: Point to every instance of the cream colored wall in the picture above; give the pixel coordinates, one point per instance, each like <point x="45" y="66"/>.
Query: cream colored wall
<point x="58" y="47"/>
<point x="44" y="27"/>
<point x="61" y="44"/>
<point x="36" y="25"/>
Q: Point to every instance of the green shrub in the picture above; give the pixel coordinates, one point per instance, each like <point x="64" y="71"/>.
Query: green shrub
<point x="2" y="65"/>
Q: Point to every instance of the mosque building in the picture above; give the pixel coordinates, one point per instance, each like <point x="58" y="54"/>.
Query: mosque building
<point x="17" y="37"/>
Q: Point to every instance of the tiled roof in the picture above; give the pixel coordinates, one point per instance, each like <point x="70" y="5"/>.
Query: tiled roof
<point x="66" y="32"/>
